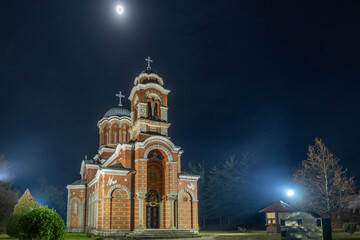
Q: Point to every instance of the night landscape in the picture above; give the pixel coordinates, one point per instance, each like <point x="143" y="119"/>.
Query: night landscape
<point x="179" y="119"/>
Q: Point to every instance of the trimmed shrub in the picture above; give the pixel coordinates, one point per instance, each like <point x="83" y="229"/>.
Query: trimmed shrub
<point x="41" y="223"/>
<point x="12" y="226"/>
<point x="350" y="228"/>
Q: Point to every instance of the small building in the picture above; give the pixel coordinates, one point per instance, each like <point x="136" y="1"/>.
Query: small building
<point x="305" y="225"/>
<point x="274" y="213"/>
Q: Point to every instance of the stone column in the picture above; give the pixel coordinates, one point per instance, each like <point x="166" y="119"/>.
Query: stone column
<point x="171" y="197"/>
<point x="141" y="195"/>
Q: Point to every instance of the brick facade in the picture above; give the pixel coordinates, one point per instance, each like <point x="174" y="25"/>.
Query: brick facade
<point x="135" y="180"/>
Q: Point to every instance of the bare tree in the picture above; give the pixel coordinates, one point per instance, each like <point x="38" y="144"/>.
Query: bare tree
<point x="324" y="180"/>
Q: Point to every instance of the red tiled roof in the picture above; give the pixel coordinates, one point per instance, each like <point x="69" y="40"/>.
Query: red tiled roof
<point x="279" y="207"/>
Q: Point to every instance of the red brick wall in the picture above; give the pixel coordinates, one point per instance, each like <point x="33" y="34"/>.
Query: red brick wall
<point x="185" y="211"/>
<point x="120" y="210"/>
<point x="74" y="220"/>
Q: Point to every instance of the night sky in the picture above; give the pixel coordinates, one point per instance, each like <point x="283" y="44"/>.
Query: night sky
<point x="264" y="77"/>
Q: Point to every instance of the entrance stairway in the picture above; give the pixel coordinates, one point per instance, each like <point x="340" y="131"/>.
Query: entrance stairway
<point x="162" y="234"/>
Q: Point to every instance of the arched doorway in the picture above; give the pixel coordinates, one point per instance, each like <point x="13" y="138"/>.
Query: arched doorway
<point x="155" y="189"/>
<point x="152" y="209"/>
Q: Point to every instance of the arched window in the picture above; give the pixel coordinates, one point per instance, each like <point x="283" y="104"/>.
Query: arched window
<point x="75" y="208"/>
<point x="153" y="107"/>
<point x="155" y="155"/>
<point x="153" y="197"/>
<point x="124" y="134"/>
<point x="115" y="137"/>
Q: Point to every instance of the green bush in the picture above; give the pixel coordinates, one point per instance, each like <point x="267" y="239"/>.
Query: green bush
<point x="41" y="223"/>
<point x="12" y="226"/>
<point x="350" y="227"/>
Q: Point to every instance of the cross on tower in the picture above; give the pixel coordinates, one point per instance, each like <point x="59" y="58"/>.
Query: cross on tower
<point x="120" y="96"/>
<point x="149" y="61"/>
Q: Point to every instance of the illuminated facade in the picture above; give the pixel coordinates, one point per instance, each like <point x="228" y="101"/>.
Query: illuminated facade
<point x="134" y="181"/>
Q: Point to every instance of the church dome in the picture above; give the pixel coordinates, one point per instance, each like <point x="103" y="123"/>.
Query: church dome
<point x="117" y="111"/>
<point x="148" y="71"/>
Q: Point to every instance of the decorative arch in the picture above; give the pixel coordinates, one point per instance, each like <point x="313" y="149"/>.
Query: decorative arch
<point x="116" y="187"/>
<point x="161" y="147"/>
<point x="153" y="92"/>
<point x="73" y="199"/>
<point x="148" y="76"/>
<point x="80" y="211"/>
<point x="188" y="191"/>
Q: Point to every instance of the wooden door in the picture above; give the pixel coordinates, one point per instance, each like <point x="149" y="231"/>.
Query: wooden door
<point x="152" y="217"/>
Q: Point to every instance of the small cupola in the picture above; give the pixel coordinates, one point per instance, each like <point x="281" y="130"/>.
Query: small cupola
<point x="148" y="76"/>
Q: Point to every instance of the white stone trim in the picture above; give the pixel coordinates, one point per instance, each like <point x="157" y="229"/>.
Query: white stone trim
<point x="121" y="119"/>
<point x="112" y="157"/>
<point x="119" y="148"/>
<point x="93" y="166"/>
<point x="80" y="186"/>
<point x="82" y="168"/>
<point x="188" y="191"/>
<point x="141" y="160"/>
<point x="156" y="93"/>
<point x="172" y="163"/>
<point x="147" y="86"/>
<point x="141" y="108"/>
<point x="105" y="149"/>
<point x="187" y="177"/>
<point x="164" y="131"/>
<point x="161" y="147"/>
<point x="87" y="165"/>
<point x="151" y="75"/>
<point x="94" y="180"/>
<point x="162" y="139"/>
<point x="119" y="172"/>
<point x="116" y="187"/>
<point x="164" y="113"/>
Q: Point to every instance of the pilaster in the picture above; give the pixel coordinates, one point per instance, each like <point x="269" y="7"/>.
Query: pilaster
<point x="171" y="197"/>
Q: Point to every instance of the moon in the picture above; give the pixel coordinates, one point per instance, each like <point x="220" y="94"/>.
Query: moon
<point x="290" y="193"/>
<point x="119" y="9"/>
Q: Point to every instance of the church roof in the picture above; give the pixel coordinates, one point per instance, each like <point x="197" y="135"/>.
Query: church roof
<point x="79" y="182"/>
<point x="117" y="166"/>
<point x="148" y="71"/>
<point x="279" y="207"/>
<point x="117" y="111"/>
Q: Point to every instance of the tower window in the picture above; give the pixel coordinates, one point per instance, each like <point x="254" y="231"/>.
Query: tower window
<point x="153" y="107"/>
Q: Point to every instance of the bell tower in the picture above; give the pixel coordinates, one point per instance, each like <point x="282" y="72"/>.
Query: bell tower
<point x="149" y="106"/>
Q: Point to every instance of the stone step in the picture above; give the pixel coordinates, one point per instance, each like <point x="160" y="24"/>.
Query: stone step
<point x="162" y="234"/>
<point x="163" y="237"/>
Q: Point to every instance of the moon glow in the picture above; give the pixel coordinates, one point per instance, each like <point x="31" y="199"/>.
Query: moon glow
<point x="119" y="9"/>
<point x="290" y="193"/>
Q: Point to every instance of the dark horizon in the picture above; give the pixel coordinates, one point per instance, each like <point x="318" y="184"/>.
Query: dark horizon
<point x="263" y="77"/>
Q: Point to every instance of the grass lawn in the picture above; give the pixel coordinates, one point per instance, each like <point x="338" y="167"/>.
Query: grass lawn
<point x="259" y="235"/>
<point x="219" y="235"/>
<point x="69" y="236"/>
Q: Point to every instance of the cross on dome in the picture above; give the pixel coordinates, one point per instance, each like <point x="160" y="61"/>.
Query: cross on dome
<point x="149" y="61"/>
<point x="120" y="97"/>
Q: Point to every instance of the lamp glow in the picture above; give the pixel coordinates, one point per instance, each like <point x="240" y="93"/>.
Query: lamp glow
<point x="119" y="9"/>
<point x="290" y="193"/>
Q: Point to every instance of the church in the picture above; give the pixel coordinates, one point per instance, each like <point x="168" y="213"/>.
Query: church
<point x="134" y="183"/>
